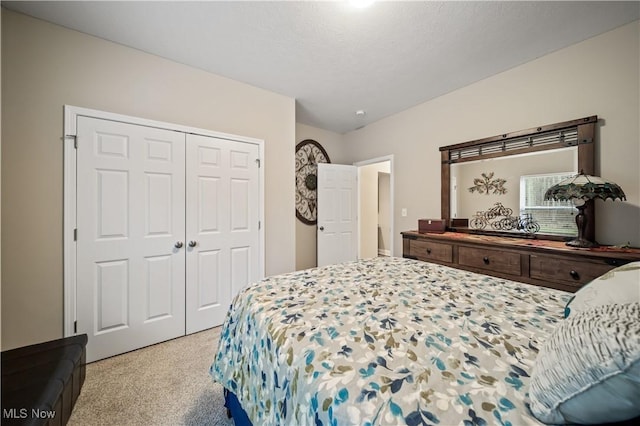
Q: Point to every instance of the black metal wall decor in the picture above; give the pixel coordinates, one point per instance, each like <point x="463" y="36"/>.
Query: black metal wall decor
<point x="487" y="184"/>
<point x="308" y="154"/>
<point x="500" y="218"/>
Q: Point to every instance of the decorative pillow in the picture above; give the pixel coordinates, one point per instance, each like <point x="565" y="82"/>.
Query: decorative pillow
<point x="588" y="372"/>
<point x="620" y="285"/>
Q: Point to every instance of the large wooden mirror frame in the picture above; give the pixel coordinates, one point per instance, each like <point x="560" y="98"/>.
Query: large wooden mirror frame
<point x="579" y="133"/>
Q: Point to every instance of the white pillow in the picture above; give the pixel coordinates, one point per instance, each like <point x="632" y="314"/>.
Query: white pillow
<point x="620" y="285"/>
<point x="588" y="372"/>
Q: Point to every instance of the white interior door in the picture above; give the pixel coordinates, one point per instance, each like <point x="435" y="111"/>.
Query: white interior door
<point x="222" y="226"/>
<point x="337" y="206"/>
<point x="130" y="235"/>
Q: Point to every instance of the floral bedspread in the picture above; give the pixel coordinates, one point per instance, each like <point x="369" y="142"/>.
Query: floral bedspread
<point x="385" y="341"/>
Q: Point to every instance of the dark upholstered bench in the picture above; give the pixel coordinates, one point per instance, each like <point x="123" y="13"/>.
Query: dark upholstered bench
<point x="41" y="382"/>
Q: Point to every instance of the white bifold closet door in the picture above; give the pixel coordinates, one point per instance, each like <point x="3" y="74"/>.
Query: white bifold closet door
<point x="130" y="215"/>
<point x="167" y="232"/>
<point x="222" y="226"/>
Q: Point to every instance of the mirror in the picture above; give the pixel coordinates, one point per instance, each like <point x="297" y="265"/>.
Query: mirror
<point x="515" y="185"/>
<point x="496" y="185"/>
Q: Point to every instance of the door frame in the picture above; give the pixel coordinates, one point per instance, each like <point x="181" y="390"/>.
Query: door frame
<point x="71" y="114"/>
<point x="376" y="160"/>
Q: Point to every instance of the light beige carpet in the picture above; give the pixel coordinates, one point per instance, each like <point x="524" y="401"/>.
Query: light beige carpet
<point x="164" y="384"/>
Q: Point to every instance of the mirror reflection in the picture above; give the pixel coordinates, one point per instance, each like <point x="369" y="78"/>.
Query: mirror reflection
<point x="506" y="194"/>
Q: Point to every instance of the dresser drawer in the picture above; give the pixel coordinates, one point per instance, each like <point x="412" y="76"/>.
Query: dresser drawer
<point x="490" y="260"/>
<point x="570" y="271"/>
<point x="427" y="250"/>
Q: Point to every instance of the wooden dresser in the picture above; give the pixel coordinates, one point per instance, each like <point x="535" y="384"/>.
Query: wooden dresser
<point x="540" y="262"/>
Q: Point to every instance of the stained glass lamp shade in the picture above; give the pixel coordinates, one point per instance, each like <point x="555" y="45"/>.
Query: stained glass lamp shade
<point x="583" y="187"/>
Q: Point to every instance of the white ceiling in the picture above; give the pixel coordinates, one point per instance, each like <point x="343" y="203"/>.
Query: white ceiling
<point x="334" y="58"/>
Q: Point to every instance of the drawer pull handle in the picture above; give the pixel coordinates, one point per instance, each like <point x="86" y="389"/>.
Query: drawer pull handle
<point x="485" y="260"/>
<point x="574" y="275"/>
<point x="428" y="251"/>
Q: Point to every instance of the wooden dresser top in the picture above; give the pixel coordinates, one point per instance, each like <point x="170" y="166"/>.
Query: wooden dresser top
<point x="532" y="244"/>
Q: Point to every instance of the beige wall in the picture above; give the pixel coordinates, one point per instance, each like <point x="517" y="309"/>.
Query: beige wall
<point x="306" y="234"/>
<point x="46" y="66"/>
<point x="368" y="208"/>
<point x="599" y="76"/>
<point x="384" y="212"/>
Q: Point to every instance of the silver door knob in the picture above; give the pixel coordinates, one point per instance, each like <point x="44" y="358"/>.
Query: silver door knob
<point x="192" y="243"/>
<point x="321" y="228"/>
<point x="178" y="244"/>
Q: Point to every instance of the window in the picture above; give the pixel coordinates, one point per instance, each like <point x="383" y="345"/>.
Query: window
<point x="555" y="217"/>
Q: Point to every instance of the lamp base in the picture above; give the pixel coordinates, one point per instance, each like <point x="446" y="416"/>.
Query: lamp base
<point x="581" y="223"/>
<point x="582" y="243"/>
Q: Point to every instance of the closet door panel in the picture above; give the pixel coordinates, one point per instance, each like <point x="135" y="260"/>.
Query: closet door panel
<point x="208" y="274"/>
<point x="130" y="214"/>
<point x="222" y="181"/>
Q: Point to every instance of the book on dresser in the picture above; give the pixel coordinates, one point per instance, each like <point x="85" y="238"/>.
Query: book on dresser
<point x="535" y="261"/>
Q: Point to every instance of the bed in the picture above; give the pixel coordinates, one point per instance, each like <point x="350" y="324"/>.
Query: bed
<point x="385" y="341"/>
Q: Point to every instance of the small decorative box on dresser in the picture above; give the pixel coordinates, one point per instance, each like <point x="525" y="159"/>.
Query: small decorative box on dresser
<point x="535" y="261"/>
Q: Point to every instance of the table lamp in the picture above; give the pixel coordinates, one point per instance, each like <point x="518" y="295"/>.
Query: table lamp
<point x="583" y="187"/>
